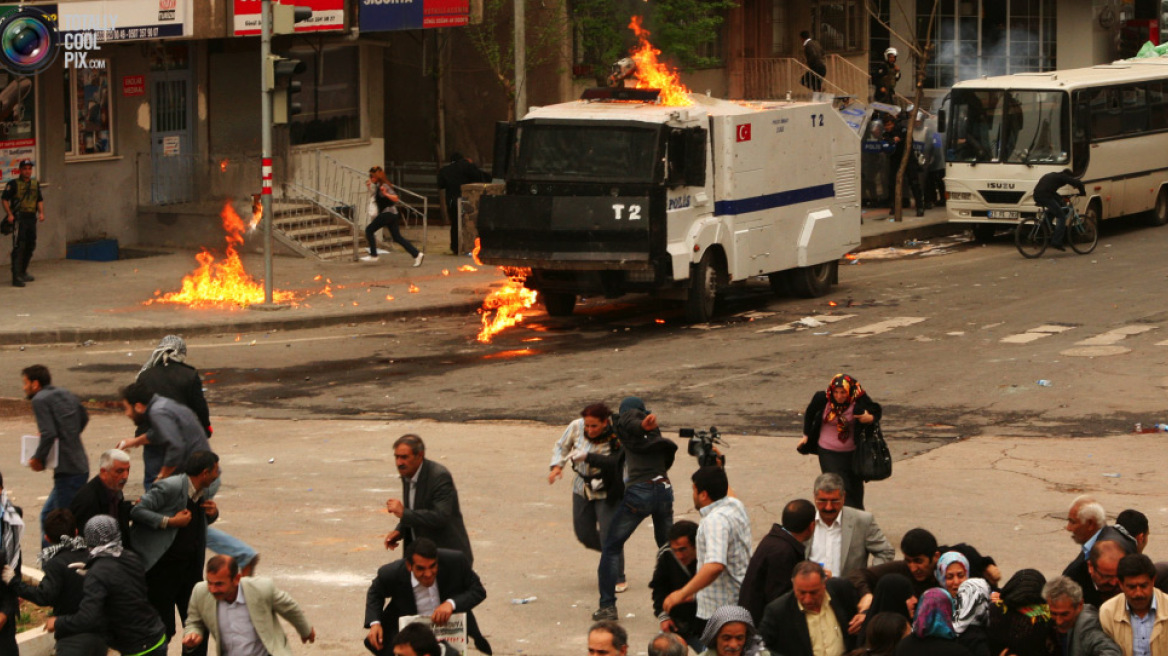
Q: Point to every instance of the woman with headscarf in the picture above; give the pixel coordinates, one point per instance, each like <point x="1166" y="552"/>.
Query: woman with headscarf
<point x="972" y="600"/>
<point x="589" y="446"/>
<point x="1020" y="621"/>
<point x="167" y="374"/>
<point x="830" y="427"/>
<point x="894" y="595"/>
<point x="933" y="633"/>
<point x="883" y="632"/>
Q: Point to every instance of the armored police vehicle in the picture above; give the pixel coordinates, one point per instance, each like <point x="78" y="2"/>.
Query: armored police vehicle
<point x="616" y="193"/>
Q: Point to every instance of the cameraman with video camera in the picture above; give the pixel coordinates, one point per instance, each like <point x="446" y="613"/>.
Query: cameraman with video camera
<point x="648" y="493"/>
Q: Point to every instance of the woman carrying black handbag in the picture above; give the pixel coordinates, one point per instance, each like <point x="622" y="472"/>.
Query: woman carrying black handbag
<point x="831" y="427"/>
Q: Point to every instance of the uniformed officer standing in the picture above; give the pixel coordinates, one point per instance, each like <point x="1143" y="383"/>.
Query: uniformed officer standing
<point x="24" y="206"/>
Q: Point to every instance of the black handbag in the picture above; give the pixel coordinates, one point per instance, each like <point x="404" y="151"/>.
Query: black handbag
<point x="871" y="460"/>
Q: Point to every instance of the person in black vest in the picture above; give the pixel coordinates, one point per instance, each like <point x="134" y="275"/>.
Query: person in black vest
<point x="62" y="585"/>
<point x="24" y="206"/>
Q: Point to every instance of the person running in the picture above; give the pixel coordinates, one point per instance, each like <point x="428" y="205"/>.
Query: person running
<point x="388" y="216"/>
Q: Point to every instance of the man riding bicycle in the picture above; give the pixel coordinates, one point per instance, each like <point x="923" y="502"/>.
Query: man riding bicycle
<point x="1046" y="195"/>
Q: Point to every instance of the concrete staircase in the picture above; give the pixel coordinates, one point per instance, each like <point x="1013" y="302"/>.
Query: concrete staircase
<point x="315" y="231"/>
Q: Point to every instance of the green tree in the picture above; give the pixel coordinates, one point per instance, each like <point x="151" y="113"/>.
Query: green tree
<point x="494" y="39"/>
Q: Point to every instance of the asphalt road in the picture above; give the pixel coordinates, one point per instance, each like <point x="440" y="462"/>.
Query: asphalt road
<point x="953" y="345"/>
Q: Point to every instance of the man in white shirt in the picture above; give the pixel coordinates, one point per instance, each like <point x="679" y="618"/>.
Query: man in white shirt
<point x="240" y="613"/>
<point x="844" y="537"/>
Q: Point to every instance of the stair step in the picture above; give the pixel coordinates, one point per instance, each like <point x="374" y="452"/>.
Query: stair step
<point x="317" y="231"/>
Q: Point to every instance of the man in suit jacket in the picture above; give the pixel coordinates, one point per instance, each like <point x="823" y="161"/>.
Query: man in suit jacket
<point x="253" y="606"/>
<point x="429" y="504"/>
<point x="102" y="495"/>
<point x="428" y="581"/>
<point x="1086" y="522"/>
<point x="844" y="536"/>
<point x="170" y="534"/>
<point x="830" y="602"/>
<point x="1076" y="624"/>
<point x="768" y="576"/>
<point x="813" y="53"/>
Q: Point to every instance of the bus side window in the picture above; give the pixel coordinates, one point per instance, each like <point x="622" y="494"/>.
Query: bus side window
<point x="1157" y="106"/>
<point x="1135" y="109"/>
<point x="1106" y="116"/>
<point x="1080" y="135"/>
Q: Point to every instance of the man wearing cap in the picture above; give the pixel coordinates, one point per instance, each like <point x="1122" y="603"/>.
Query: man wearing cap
<point x="23" y="207"/>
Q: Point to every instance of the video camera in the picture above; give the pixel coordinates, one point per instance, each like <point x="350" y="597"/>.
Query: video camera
<point x="701" y="445"/>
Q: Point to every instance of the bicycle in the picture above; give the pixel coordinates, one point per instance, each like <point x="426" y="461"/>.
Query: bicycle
<point x="1033" y="233"/>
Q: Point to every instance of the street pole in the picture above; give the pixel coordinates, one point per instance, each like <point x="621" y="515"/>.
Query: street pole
<point x="520" y="59"/>
<point x="266" y="147"/>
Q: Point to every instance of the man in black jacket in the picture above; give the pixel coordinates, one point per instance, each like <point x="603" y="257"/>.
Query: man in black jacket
<point x="829" y="603"/>
<point x="446" y="585"/>
<point x="451" y="177"/>
<point x="62" y="585"/>
<point x="102" y="495"/>
<point x="429" y="505"/>
<point x="167" y="374"/>
<point x="113" y="596"/>
<point x="676" y="565"/>
<point x="1046" y="195"/>
<point x="768" y="576"/>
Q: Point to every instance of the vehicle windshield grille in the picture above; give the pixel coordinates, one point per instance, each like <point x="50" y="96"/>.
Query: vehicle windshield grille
<point x="1002" y="197"/>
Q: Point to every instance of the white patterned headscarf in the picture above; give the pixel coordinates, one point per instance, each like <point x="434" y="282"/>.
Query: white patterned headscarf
<point x="103" y="537"/>
<point x="726" y="615"/>
<point x="171" y="348"/>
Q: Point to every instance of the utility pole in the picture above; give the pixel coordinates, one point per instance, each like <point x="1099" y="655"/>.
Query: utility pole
<point x="520" y="59"/>
<point x="266" y="144"/>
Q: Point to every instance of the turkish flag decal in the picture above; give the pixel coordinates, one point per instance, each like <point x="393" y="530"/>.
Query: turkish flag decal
<point x="744" y="132"/>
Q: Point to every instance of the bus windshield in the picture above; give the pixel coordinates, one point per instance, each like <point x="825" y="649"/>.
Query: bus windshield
<point x="568" y="152"/>
<point x="1010" y="126"/>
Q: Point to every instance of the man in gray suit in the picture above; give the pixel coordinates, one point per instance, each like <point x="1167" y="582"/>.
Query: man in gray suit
<point x="429" y="504"/>
<point x="844" y="537"/>
<point x="170" y="534"/>
<point x="1077" y="629"/>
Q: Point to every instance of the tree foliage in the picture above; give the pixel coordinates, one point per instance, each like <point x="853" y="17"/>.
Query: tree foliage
<point x="494" y="37"/>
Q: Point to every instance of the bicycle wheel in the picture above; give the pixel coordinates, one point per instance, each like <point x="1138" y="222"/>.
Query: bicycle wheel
<point x="1031" y="237"/>
<point x="1084" y="232"/>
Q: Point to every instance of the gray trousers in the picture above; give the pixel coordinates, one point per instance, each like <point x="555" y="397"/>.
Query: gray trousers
<point x="591" y="520"/>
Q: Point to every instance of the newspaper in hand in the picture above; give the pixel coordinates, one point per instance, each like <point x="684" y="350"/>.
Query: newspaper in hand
<point x="452" y="633"/>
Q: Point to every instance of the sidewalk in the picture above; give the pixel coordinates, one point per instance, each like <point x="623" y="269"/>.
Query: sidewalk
<point x="73" y="301"/>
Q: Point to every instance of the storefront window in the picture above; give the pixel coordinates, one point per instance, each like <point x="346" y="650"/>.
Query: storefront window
<point x="89" y="120"/>
<point x="330" y="95"/>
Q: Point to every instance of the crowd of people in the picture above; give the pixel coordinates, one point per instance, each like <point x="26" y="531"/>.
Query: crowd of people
<point x="823" y="581"/>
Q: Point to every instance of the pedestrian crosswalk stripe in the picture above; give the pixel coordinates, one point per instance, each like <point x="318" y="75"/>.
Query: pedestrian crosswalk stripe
<point x="1035" y="334"/>
<point x="882" y="326"/>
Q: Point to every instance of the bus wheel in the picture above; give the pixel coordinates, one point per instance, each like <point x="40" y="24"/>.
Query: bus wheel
<point x="983" y="232"/>
<point x="1159" y="215"/>
<point x="558" y="304"/>
<point x="813" y="281"/>
<point x="703" y="289"/>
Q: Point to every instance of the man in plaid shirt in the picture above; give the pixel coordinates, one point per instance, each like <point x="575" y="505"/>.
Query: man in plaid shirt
<point x="724" y="543"/>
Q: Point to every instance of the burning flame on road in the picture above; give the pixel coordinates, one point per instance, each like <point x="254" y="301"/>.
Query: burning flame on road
<point x="224" y="283"/>
<point x="652" y="74"/>
<point x="504" y="307"/>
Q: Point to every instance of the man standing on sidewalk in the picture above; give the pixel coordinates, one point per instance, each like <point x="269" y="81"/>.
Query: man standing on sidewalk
<point x="60" y="418"/>
<point x="24" y="206"/>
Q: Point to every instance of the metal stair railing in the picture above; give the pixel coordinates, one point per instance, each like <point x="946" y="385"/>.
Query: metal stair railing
<point x="319" y="218"/>
<point x="771" y="78"/>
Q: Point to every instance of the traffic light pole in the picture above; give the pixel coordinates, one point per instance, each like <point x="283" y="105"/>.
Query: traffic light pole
<point x="266" y="146"/>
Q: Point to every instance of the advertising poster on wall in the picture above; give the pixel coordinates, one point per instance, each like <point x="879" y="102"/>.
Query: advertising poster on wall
<point x="327" y="15"/>
<point x="382" y="16"/>
<point x="17" y="123"/>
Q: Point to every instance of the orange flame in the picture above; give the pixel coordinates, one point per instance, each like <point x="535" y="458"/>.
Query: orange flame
<point x="652" y="74"/>
<point x="475" y="253"/>
<point x="504" y="307"/>
<point x="224" y="283"/>
<point x="257" y="213"/>
<point x="413" y="288"/>
<point x="446" y="272"/>
<point x="467" y="268"/>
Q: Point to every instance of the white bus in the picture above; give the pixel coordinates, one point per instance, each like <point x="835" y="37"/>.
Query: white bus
<point x="1107" y="123"/>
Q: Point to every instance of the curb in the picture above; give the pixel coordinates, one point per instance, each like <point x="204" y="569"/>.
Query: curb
<point x="898" y="237"/>
<point x="98" y="334"/>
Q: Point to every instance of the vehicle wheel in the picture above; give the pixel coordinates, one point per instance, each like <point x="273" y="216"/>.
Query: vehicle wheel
<point x="1159" y="215"/>
<point x="983" y="232"/>
<point x="1085" y="235"/>
<point x="558" y="304"/>
<point x="812" y="281"/>
<point x="1031" y="237"/>
<point x="703" y="290"/>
